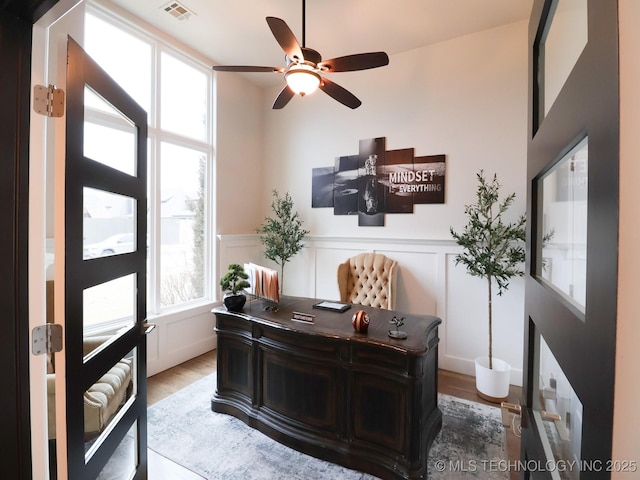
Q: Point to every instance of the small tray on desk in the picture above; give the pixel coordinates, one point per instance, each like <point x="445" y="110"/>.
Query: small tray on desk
<point x="332" y="306"/>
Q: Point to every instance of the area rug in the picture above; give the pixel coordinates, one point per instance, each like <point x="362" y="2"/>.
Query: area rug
<point x="183" y="428"/>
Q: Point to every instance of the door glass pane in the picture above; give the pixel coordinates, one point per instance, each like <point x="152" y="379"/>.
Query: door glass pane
<point x="125" y="459"/>
<point x="109" y="137"/>
<point x="108" y="224"/>
<point x="184" y="96"/>
<point x="110" y="303"/>
<point x="563" y="237"/>
<point x="127" y="59"/>
<point x="106" y="401"/>
<point x="566" y="37"/>
<point x="182" y="173"/>
<point x="558" y="413"/>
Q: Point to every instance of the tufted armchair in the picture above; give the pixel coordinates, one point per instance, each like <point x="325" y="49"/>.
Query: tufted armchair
<point x="368" y="279"/>
<point x="103" y="399"/>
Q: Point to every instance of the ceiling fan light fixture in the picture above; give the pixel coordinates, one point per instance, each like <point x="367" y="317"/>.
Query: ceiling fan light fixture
<point x="302" y="79"/>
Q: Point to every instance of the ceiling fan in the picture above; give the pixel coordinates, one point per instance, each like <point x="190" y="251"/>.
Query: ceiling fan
<point x="304" y="66"/>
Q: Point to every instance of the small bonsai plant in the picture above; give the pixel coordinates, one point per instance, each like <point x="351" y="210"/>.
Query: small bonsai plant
<point x="282" y="236"/>
<point x="493" y="249"/>
<point x="234" y="282"/>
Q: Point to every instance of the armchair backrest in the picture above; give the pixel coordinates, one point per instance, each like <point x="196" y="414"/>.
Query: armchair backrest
<point x="368" y="279"/>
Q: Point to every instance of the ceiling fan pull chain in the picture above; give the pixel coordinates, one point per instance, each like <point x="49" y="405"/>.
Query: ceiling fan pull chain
<point x="304" y="27"/>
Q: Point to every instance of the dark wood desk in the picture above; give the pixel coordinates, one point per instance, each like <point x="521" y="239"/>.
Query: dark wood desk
<point x="365" y="401"/>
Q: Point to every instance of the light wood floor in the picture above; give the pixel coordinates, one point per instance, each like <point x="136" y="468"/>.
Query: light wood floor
<point x="170" y="381"/>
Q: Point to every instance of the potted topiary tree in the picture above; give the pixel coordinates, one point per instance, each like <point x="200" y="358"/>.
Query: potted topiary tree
<point x="234" y="282"/>
<point x="282" y="236"/>
<point x="493" y="250"/>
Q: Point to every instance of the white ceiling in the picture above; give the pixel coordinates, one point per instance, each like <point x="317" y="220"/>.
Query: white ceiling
<point x="234" y="32"/>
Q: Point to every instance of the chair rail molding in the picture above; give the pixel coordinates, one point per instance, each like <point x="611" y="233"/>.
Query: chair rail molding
<point x="429" y="282"/>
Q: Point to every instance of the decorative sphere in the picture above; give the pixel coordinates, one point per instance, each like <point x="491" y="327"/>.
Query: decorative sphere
<point x="360" y="321"/>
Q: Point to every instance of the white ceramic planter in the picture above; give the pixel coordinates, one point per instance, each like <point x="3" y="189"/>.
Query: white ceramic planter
<point x="492" y="384"/>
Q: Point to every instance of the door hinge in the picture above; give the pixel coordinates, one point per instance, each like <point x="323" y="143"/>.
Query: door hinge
<point x="48" y="101"/>
<point x="46" y="338"/>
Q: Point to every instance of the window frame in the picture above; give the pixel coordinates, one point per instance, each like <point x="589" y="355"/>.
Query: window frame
<point x="156" y="136"/>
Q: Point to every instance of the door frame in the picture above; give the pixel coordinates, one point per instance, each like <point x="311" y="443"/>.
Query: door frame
<point x="17" y="19"/>
<point x="15" y="54"/>
<point x="49" y="11"/>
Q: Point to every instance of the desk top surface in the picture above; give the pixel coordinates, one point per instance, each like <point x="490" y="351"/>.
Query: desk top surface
<point x="421" y="329"/>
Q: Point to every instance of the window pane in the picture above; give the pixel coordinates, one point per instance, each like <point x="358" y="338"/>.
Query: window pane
<point x="110" y="301"/>
<point x="565" y="40"/>
<point x="127" y="59"/>
<point x="563" y="259"/>
<point x="106" y="401"/>
<point x="123" y="462"/>
<point x="108" y="225"/>
<point x="558" y="412"/>
<point x="182" y="174"/>
<point x="183" y="98"/>
<point x="109" y="137"/>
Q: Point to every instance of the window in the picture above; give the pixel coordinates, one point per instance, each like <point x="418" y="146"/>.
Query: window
<point x="176" y="92"/>
<point x="562" y="262"/>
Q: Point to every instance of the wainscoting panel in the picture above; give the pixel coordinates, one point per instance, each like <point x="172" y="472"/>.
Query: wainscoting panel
<point x="238" y="249"/>
<point x="327" y="259"/>
<point x="429" y="282"/>
<point x="180" y="336"/>
<point x="417" y="288"/>
<point x="298" y="273"/>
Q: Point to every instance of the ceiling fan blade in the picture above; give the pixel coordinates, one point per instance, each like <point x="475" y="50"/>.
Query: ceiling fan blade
<point x="246" y="69"/>
<point x="285" y="38"/>
<point x="359" y="61"/>
<point x="283" y="98"/>
<point x="339" y="93"/>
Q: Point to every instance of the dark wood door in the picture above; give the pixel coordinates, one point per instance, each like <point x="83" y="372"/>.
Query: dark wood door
<point x="571" y="277"/>
<point x="102" y="284"/>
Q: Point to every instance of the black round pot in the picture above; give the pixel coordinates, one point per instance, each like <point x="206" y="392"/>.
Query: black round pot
<point x="234" y="302"/>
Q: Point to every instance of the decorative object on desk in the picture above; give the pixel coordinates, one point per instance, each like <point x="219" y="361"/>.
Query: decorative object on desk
<point x="493" y="250"/>
<point x="332" y="306"/>
<point x="282" y="236"/>
<point x="263" y="284"/>
<point x="183" y="428"/>
<point x="303" y="317"/>
<point x="360" y="321"/>
<point x="234" y="282"/>
<point x="397" y="334"/>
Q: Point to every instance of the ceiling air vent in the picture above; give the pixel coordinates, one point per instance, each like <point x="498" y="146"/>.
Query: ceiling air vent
<point x="177" y="10"/>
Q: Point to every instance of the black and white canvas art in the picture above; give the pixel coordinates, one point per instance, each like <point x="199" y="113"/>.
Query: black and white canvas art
<point x="345" y="188"/>
<point x="371" y="199"/>
<point x="322" y="182"/>
<point x="376" y="182"/>
<point x="398" y="165"/>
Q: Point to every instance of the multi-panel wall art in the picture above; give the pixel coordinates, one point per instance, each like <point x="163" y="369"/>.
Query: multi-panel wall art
<point x="376" y="181"/>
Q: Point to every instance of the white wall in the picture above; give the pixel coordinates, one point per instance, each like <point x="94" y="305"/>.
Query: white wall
<point x="626" y="418"/>
<point x="465" y="98"/>
<point x="239" y="142"/>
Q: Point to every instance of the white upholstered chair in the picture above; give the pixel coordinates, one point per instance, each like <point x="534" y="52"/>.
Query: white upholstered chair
<point x="103" y="399"/>
<point x="368" y="279"/>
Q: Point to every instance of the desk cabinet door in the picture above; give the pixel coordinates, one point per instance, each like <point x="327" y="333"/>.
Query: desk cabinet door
<point x="308" y="392"/>
<point x="380" y="411"/>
